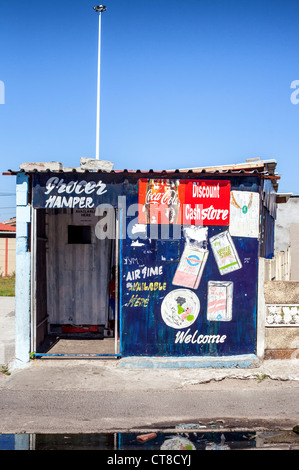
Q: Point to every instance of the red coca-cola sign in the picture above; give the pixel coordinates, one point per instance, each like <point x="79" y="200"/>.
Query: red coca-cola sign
<point x="160" y="201"/>
<point x="188" y="202"/>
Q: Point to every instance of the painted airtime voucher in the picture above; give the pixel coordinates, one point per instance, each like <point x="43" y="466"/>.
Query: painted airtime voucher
<point x="198" y="293"/>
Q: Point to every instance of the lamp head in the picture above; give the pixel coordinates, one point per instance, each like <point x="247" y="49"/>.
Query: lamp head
<point x="100" y="8"/>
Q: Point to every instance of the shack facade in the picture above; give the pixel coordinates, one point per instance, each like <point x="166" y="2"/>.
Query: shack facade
<point x="162" y="264"/>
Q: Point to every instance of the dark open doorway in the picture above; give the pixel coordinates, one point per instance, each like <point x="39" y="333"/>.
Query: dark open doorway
<point x="74" y="286"/>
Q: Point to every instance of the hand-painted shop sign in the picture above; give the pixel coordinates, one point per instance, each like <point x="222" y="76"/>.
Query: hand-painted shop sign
<point x="185" y="202"/>
<point x="188" y="202"/>
<point x="67" y="191"/>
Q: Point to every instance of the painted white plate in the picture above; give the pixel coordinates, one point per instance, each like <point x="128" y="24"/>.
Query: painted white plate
<point x="180" y="308"/>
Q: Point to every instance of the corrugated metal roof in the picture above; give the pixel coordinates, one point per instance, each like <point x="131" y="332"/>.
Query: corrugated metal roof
<point x="6" y="228"/>
<point x="263" y="168"/>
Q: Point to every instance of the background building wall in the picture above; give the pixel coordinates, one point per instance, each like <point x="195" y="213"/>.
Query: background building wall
<point x="282" y="319"/>
<point x="287" y="233"/>
<point x="7" y="249"/>
<point x="294" y="248"/>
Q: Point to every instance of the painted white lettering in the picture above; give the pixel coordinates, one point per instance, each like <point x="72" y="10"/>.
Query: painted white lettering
<point x="102" y="188"/>
<point x="186" y="337"/>
<point x="153" y="271"/>
<point x="50" y="202"/>
<point x="51" y="183"/>
<point x="89" y="202"/>
<point x="80" y="187"/>
<point x="61" y="186"/>
<point x="68" y="202"/>
<point x="180" y="336"/>
<point x="57" y="203"/>
<point x="90" y="187"/>
<point x="209" y="213"/>
<point x="77" y="187"/>
<point x="82" y="202"/>
<point x="70" y="187"/>
<point x="133" y="275"/>
<point x="206" y="191"/>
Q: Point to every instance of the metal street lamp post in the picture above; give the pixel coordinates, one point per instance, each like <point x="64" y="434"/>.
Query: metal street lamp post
<point x="99" y="9"/>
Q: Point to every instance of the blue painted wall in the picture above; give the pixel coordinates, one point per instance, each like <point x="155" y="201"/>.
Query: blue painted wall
<point x="145" y="332"/>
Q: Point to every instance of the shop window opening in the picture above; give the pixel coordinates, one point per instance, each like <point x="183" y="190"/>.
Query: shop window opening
<point x="79" y="234"/>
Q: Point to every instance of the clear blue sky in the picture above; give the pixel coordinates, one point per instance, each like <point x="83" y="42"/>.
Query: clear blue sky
<point x="183" y="84"/>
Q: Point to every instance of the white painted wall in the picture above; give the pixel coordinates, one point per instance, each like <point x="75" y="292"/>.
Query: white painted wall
<point x="287" y="233"/>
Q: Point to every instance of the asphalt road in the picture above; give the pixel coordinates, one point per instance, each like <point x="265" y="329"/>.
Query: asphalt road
<point x="90" y="396"/>
<point x="229" y="403"/>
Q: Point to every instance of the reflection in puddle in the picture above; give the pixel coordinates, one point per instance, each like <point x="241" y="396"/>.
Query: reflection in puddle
<point x="153" y="441"/>
<point x="189" y="441"/>
<point x="159" y="441"/>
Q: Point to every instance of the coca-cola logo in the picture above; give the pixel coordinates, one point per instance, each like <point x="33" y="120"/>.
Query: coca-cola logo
<point x="166" y="196"/>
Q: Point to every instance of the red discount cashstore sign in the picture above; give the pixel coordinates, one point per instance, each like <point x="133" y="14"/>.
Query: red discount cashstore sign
<point x="188" y="202"/>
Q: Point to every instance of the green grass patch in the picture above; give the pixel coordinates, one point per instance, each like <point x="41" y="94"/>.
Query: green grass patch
<point x="7" y="286"/>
